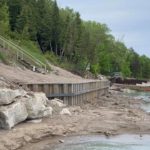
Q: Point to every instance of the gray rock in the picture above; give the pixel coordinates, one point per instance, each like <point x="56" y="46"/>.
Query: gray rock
<point x="37" y="106"/>
<point x="65" y="111"/>
<point x="12" y="115"/>
<point x="76" y="109"/>
<point x="61" y="141"/>
<point x="56" y="103"/>
<point x="35" y="121"/>
<point x="27" y="138"/>
<point x="32" y="106"/>
<point x="48" y="111"/>
<point x="8" y="96"/>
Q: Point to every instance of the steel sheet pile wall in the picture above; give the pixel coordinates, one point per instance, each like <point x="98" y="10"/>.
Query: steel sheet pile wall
<point x="72" y="93"/>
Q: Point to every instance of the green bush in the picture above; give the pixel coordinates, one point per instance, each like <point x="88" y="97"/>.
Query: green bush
<point x="51" y="57"/>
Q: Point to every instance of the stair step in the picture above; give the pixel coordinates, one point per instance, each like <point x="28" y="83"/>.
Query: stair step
<point x="29" y="66"/>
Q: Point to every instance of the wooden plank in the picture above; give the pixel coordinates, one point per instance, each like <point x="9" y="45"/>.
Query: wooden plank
<point x="35" y="87"/>
<point x="46" y="89"/>
<point x="72" y="94"/>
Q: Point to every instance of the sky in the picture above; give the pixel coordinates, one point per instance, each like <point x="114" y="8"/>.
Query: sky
<point x="128" y="20"/>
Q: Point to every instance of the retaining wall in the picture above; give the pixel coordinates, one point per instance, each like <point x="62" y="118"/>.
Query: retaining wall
<point x="72" y="93"/>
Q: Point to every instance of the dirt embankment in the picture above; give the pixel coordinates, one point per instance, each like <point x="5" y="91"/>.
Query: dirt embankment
<point x="23" y="75"/>
<point x="109" y="115"/>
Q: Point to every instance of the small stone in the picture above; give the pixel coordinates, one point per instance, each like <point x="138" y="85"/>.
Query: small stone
<point x="56" y="103"/>
<point x="61" y="141"/>
<point x="65" y="111"/>
<point x="141" y="135"/>
<point x="35" y="121"/>
<point x="107" y="133"/>
<point x="27" y="138"/>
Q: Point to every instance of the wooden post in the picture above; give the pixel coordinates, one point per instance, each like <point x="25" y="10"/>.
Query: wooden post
<point x="46" y="89"/>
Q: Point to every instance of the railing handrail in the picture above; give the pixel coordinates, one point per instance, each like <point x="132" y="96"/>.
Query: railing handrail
<point x="21" y="50"/>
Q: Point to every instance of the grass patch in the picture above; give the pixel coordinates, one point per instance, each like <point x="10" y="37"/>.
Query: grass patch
<point x="51" y="57"/>
<point x="33" y="49"/>
<point x="3" y="58"/>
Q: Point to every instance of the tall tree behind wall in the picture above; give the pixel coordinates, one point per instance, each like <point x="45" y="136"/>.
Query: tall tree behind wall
<point x="64" y="33"/>
<point x="44" y="24"/>
<point x="14" y="11"/>
<point x="4" y="17"/>
<point x="55" y="28"/>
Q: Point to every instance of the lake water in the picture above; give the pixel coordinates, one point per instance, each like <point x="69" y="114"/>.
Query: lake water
<point x="139" y="95"/>
<point x="123" y="142"/>
<point x="143" y="96"/>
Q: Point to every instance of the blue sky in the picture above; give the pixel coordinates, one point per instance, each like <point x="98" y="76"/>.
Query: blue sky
<point x="129" y="20"/>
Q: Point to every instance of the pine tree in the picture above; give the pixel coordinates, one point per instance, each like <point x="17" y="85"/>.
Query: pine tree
<point x="14" y="12"/>
<point x="55" y="27"/>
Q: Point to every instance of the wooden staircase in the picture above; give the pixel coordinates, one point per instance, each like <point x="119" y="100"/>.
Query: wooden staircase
<point x="30" y="66"/>
<point x="22" y="56"/>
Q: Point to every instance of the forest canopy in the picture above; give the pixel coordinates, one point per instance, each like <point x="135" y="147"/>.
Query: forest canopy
<point x="62" y="32"/>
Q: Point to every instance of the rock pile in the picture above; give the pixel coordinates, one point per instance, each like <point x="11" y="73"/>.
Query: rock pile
<point x="59" y="108"/>
<point x="17" y="105"/>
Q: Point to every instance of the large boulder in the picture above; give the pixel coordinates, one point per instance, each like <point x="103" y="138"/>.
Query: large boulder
<point x="26" y="106"/>
<point x="8" y="96"/>
<point x="36" y="105"/>
<point x="12" y="114"/>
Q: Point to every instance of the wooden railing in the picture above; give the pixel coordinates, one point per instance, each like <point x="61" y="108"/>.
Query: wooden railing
<point x="21" y="53"/>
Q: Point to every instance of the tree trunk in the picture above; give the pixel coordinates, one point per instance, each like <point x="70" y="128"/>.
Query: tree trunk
<point x="62" y="53"/>
<point x="50" y="44"/>
<point x="56" y="50"/>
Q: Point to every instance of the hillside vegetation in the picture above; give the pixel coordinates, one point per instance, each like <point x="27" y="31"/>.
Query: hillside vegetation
<point x="62" y="37"/>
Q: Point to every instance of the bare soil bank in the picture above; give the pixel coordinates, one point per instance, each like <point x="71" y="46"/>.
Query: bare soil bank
<point x="109" y="115"/>
<point x="22" y="75"/>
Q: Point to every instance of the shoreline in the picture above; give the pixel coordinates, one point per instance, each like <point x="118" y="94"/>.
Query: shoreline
<point x="50" y="142"/>
<point x="109" y="115"/>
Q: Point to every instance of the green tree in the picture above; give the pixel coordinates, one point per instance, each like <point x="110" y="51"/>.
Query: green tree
<point x="14" y="11"/>
<point x="4" y="17"/>
<point x="55" y="27"/>
<point x="63" y="32"/>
